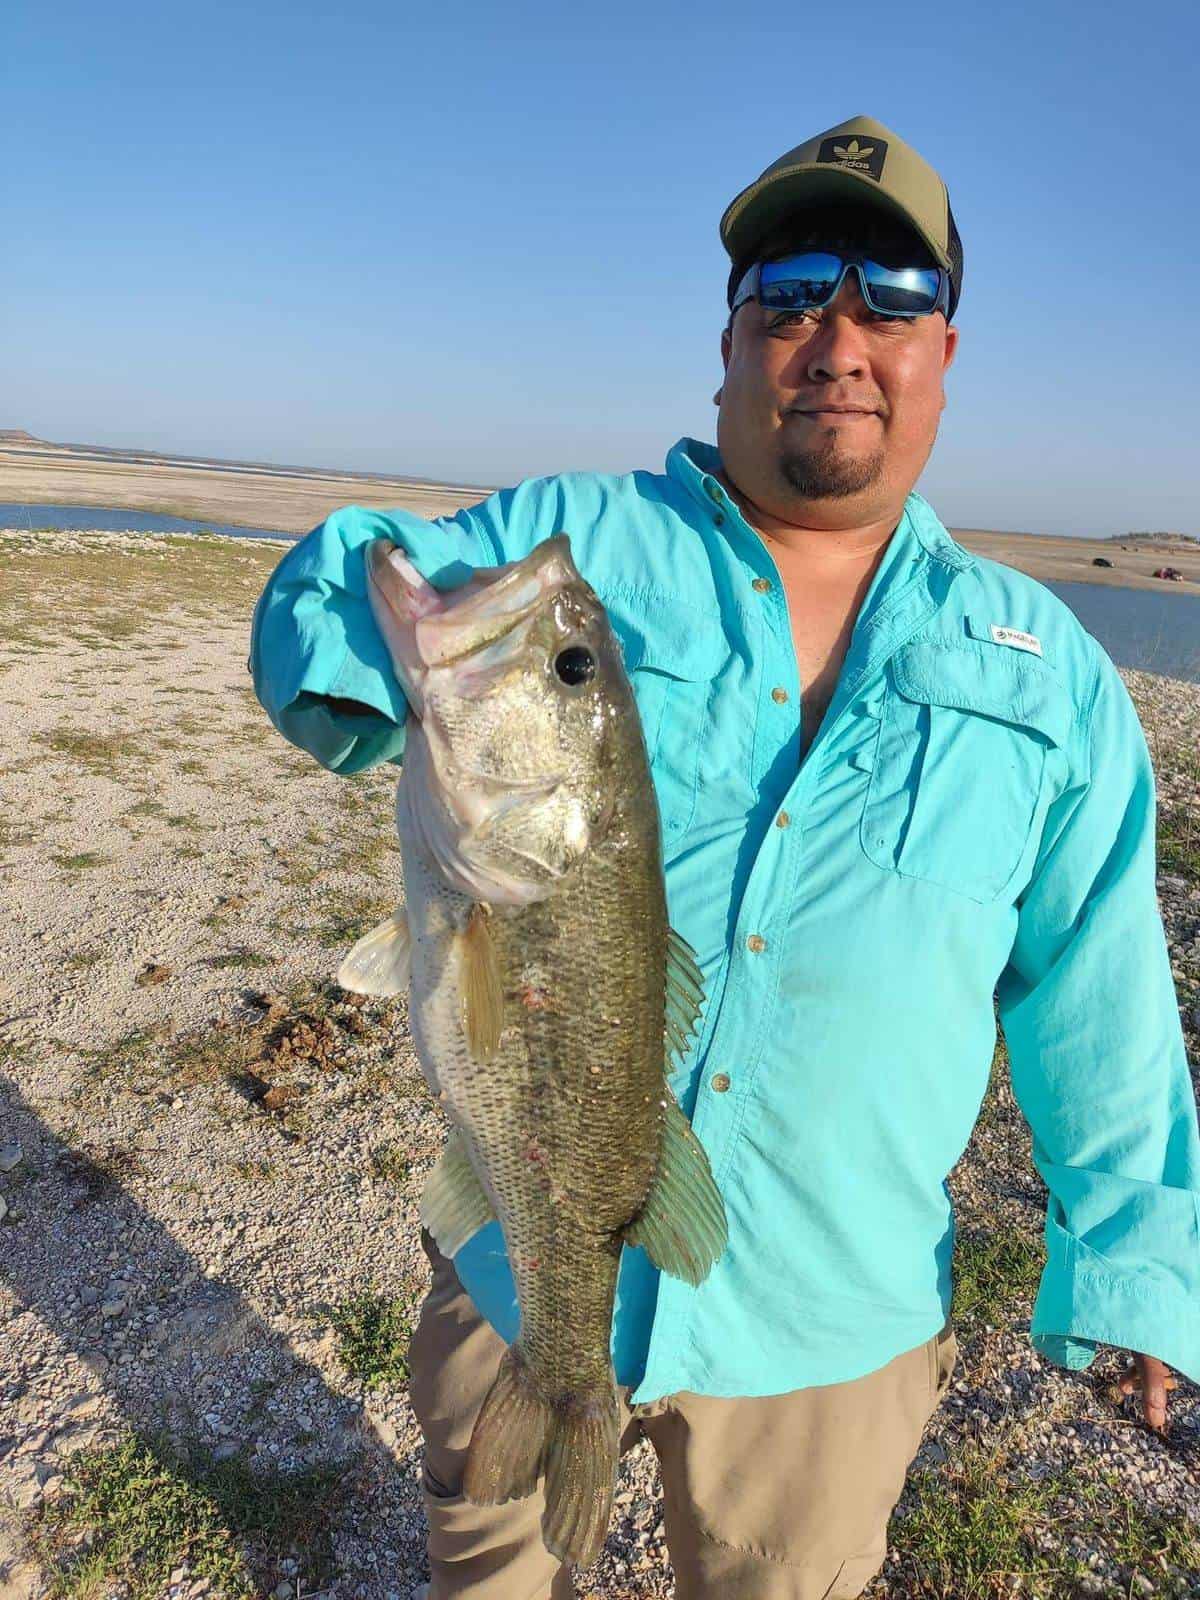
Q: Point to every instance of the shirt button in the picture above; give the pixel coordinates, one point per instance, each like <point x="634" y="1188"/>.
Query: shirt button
<point x="761" y="585"/>
<point x="719" y="519"/>
<point x="757" y="943"/>
<point x="779" y="696"/>
<point x="720" y="1082"/>
<point x="714" y="491"/>
<point x="783" y="820"/>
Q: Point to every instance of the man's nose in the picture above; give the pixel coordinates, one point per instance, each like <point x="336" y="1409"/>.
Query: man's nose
<point x="838" y="349"/>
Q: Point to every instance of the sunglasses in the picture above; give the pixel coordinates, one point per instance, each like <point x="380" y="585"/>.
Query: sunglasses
<point x="812" y="278"/>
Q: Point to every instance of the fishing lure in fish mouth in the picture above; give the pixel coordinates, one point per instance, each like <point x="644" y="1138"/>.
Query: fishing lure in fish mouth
<point x="548" y="996"/>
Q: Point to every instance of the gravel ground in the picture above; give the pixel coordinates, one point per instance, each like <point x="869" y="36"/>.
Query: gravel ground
<point x="191" y="1115"/>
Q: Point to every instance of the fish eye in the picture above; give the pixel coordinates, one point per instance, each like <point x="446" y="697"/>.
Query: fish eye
<point x="575" y="664"/>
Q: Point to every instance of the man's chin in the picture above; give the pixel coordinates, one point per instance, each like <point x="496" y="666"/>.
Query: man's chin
<point x="829" y="473"/>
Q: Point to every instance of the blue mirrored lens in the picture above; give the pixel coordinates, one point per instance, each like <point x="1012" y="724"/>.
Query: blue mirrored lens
<point x="901" y="290"/>
<point x="796" y="281"/>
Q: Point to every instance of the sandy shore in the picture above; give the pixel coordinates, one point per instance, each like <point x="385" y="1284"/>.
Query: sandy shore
<point x="294" y="500"/>
<point x="207" y="1153"/>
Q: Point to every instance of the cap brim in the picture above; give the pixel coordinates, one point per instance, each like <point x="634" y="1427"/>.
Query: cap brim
<point x="764" y="206"/>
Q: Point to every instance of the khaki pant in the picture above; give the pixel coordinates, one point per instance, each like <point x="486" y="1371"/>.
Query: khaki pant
<point x="783" y="1498"/>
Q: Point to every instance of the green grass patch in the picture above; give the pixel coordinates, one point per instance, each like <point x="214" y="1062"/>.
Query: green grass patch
<point x="147" y="1509"/>
<point x="390" y="1163"/>
<point x="346" y="917"/>
<point x="994" y="1273"/>
<point x="240" y="958"/>
<point x="131" y="1053"/>
<point x="372" y="1333"/>
<point x="1178" y="838"/>
<point x="979" y="1528"/>
<point x="255" y="1170"/>
<point x="80" y="862"/>
<point x="103" y="754"/>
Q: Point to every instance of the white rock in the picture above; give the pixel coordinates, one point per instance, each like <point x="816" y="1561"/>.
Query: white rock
<point x="10" y="1156"/>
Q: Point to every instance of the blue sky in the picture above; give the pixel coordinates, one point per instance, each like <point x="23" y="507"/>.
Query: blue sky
<point x="480" y="242"/>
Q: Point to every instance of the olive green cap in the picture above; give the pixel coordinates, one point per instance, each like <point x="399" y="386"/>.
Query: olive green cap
<point x="859" y="160"/>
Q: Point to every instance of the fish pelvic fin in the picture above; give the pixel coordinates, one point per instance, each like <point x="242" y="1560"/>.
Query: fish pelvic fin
<point x="381" y="961"/>
<point x="684" y="997"/>
<point x="682" y="1226"/>
<point x="455" y="1204"/>
<point x="519" y="1434"/>
<point x="482" y="989"/>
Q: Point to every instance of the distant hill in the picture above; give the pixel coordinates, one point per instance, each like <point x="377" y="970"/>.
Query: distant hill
<point x="18" y="436"/>
<point x="1153" y="538"/>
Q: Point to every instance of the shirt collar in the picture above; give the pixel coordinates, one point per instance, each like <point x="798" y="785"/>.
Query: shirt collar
<point x="694" y="464"/>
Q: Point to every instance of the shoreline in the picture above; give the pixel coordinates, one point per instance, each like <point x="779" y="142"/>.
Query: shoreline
<point x="294" y="500"/>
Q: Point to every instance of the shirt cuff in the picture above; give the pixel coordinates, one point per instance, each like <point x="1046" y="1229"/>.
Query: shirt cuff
<point x="344" y="742"/>
<point x="1140" y="1293"/>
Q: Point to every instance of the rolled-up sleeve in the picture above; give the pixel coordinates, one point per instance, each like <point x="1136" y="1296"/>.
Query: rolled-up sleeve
<point x="313" y="637"/>
<point x="1098" y="1063"/>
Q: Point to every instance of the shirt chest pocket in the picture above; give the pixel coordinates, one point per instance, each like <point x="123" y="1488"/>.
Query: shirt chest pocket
<point x="959" y="781"/>
<point x="674" y="655"/>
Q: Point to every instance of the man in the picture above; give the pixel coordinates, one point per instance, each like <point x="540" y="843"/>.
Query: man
<point x="895" y="779"/>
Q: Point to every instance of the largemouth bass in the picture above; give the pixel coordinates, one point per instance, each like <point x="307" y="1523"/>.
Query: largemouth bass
<point x="547" y="991"/>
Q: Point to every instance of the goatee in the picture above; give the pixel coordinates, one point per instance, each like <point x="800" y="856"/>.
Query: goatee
<point x="825" y="473"/>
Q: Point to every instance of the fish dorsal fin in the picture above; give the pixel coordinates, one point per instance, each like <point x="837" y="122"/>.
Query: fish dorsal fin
<point x="685" y="995"/>
<point x="379" y="963"/>
<point x="482" y="989"/>
<point x="682" y="1226"/>
<point x="454" y="1205"/>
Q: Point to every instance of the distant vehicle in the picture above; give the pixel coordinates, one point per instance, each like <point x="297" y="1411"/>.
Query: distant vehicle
<point x="1101" y="561"/>
<point x="1169" y="572"/>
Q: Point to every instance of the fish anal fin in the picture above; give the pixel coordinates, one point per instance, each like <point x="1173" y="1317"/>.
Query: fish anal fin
<point x="454" y="1205"/>
<point x="682" y="1225"/>
<point x="519" y="1434"/>
<point x="482" y="990"/>
<point x="381" y="961"/>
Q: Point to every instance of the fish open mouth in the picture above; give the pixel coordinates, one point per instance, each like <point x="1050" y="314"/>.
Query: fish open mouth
<point x="429" y="631"/>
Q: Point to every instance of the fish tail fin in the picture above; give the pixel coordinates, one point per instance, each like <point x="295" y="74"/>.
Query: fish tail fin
<point x="582" y="1456"/>
<point x="519" y="1434"/>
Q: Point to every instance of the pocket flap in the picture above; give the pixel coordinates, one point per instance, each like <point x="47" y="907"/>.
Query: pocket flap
<point x="672" y="638"/>
<point x="1011" y="685"/>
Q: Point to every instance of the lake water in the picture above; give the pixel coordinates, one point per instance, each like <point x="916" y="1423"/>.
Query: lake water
<point x="1138" y="627"/>
<point x="82" y="518"/>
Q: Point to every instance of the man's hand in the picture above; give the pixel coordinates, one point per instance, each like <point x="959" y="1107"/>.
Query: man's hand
<point x="1153" y="1378"/>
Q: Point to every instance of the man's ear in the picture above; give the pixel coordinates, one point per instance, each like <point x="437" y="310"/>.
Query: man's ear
<point x="951" y="346"/>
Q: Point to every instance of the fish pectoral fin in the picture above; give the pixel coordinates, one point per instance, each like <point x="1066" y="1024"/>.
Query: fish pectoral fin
<point x="454" y="1205"/>
<point x="682" y="1226"/>
<point x="380" y="962"/>
<point x="685" y="996"/>
<point x="482" y="990"/>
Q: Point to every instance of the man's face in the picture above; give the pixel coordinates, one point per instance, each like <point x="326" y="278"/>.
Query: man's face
<point x="827" y="417"/>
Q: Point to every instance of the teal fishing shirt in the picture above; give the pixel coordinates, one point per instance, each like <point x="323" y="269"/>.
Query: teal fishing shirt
<point x="975" y="818"/>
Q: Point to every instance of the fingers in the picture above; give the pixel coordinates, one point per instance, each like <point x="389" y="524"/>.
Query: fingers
<point x="1151" y="1378"/>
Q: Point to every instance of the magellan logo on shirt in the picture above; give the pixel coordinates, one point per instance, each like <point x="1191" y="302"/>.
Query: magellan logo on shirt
<point x="858" y="157"/>
<point x="1018" y="640"/>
